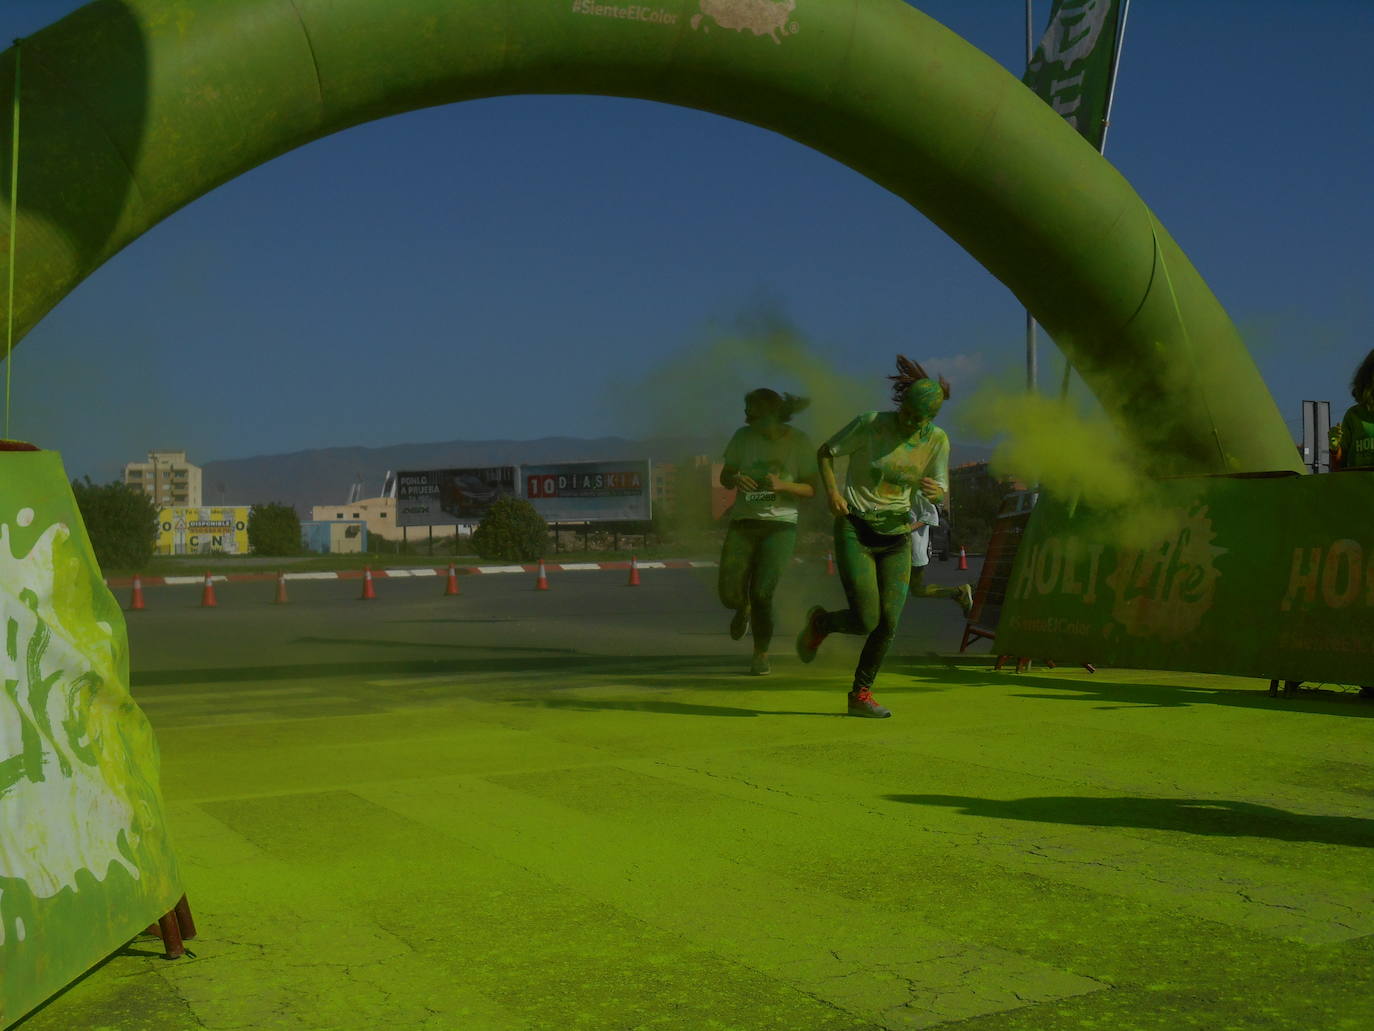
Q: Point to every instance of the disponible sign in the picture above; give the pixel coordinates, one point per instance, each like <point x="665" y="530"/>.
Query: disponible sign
<point x="193" y="531"/>
<point x="589" y="491"/>
<point x="1268" y="578"/>
<point x="447" y="497"/>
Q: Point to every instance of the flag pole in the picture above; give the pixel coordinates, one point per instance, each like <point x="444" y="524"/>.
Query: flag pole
<point x="1111" y="76"/>
<point x="1032" y="370"/>
<point x="1106" y="124"/>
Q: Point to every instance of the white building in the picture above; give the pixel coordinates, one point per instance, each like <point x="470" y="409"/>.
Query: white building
<point x="167" y="478"/>
<point x="380" y="516"/>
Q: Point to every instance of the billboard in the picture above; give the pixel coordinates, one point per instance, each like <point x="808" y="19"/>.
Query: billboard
<point x="576" y="492"/>
<point x="194" y="531"/>
<point x="334" y="536"/>
<point x="447" y="497"/>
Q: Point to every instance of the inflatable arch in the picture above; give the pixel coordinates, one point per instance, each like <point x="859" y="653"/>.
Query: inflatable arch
<point x="133" y="108"/>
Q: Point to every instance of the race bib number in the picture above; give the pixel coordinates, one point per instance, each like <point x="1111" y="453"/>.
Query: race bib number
<point x="760" y="497"/>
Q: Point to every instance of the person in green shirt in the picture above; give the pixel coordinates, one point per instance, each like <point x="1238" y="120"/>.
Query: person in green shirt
<point x="771" y="466"/>
<point x="893" y="456"/>
<point x="1353" y="441"/>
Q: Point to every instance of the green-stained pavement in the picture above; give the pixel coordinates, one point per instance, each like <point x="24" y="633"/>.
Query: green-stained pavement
<point x="584" y="816"/>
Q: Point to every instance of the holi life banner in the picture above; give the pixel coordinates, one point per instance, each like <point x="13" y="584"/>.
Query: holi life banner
<point x="1261" y="577"/>
<point x="85" y="860"/>
<point x="576" y="492"/>
<point x="449" y="497"/>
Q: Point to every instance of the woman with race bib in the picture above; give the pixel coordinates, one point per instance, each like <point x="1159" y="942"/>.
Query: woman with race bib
<point x="771" y="466"/>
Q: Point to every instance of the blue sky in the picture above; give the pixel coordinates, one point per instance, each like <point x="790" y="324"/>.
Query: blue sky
<point x="508" y="268"/>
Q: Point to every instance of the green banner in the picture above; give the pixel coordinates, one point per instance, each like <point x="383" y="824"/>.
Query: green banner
<point x="85" y="863"/>
<point x="1072" y="66"/>
<point x="1260" y="577"/>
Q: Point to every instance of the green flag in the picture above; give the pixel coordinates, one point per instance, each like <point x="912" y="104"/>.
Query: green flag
<point x="1072" y="66"/>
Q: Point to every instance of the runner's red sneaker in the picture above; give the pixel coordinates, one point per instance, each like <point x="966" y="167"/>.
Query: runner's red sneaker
<point x="811" y="634"/>
<point x="862" y="703"/>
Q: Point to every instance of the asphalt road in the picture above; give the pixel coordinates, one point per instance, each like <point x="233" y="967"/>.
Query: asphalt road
<point x="325" y="626"/>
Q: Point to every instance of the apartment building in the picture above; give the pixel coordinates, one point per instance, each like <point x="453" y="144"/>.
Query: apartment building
<point x="167" y="478"/>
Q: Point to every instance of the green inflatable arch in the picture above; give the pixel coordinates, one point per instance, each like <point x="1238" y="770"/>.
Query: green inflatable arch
<point x="133" y="108"/>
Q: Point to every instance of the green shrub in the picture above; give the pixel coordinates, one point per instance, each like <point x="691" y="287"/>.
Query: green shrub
<point x="274" y="529"/>
<point x="511" y="531"/>
<point x="120" y="520"/>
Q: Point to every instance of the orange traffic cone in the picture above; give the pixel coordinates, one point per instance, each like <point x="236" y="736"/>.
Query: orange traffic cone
<point x="207" y="593"/>
<point x="368" y="591"/>
<point x="829" y="563"/>
<point x="963" y="558"/>
<point x="281" y="589"/>
<point x="452" y="587"/>
<point x="136" y="600"/>
<point x="634" y="572"/>
<point x="542" y="584"/>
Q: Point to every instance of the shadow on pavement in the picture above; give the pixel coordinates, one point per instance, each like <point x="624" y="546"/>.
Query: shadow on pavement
<point x="540" y="662"/>
<point x="1208" y="816"/>
<point x="1119" y="694"/>
<point x="665" y="708"/>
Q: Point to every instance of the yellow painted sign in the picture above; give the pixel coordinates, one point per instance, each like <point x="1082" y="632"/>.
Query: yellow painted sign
<point x="199" y="531"/>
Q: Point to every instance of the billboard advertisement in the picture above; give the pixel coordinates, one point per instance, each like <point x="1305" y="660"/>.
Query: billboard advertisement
<point x="447" y="497"/>
<point x="195" y="531"/>
<point x="576" y="492"/>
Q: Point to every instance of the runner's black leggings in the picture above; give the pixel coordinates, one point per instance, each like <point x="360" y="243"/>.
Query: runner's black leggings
<point x="875" y="569"/>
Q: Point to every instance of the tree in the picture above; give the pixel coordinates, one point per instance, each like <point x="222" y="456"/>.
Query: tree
<point x="274" y="529"/>
<point x="511" y="531"/>
<point x="121" y="522"/>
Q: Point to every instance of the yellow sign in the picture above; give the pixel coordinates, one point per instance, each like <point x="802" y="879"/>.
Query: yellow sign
<point x="201" y="531"/>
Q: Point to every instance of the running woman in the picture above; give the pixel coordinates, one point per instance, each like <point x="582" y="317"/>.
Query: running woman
<point x="771" y="466"/>
<point x="893" y="456"/>
<point x="924" y="516"/>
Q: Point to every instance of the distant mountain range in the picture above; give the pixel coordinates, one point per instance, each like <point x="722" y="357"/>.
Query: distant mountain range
<point x="325" y="476"/>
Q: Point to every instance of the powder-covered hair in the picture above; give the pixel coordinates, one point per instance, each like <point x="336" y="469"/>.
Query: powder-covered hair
<point x="908" y="372"/>
<point x="1362" y="383"/>
<point x="784" y="406"/>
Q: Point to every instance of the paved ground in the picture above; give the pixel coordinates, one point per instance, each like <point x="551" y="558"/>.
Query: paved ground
<point x="518" y="810"/>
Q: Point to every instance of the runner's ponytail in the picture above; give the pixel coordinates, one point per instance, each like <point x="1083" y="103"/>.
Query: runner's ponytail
<point x="908" y="372"/>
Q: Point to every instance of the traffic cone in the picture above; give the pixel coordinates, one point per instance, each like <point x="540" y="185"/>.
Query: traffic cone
<point x="634" y="572"/>
<point x="281" y="589"/>
<point x="452" y="586"/>
<point x="207" y="593"/>
<point x="368" y="591"/>
<point x="963" y="558"/>
<point x="829" y="563"/>
<point x="136" y="600"/>
<point x="542" y="584"/>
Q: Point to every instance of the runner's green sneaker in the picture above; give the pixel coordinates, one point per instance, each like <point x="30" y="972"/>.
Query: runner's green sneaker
<point x="811" y="634"/>
<point x="862" y="703"/>
<point x="965" y="599"/>
<point x="739" y="623"/>
<point x="759" y="667"/>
